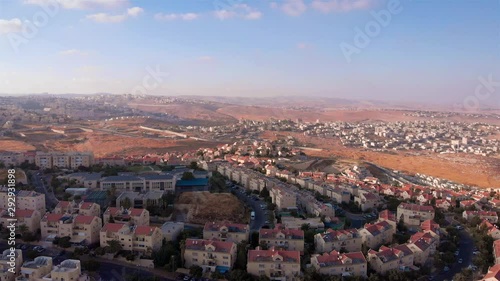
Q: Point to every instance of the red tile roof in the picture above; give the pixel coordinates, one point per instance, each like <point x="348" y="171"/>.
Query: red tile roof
<point x="145" y="230"/>
<point x="201" y="244"/>
<point x="84" y="219"/>
<point x="271" y="254"/>
<point x="53" y="217"/>
<point x="24" y="213"/>
<point x="112" y="227"/>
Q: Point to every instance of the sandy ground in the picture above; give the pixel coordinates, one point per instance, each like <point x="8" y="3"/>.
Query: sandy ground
<point x="14" y="145"/>
<point x="202" y="207"/>
<point x="462" y="168"/>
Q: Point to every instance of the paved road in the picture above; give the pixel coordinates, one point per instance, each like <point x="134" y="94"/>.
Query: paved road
<point x="260" y="215"/>
<point x="465" y="248"/>
<point x="50" y="198"/>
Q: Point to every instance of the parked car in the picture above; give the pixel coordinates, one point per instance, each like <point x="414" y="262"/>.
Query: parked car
<point x="460" y="261"/>
<point x="446" y="269"/>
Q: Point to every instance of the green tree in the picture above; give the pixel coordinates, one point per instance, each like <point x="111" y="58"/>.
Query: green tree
<point x="196" y="271"/>
<point x="264" y="193"/>
<point x="187" y="176"/>
<point x="114" y="246"/>
<point x="241" y="256"/>
<point x="126" y="203"/>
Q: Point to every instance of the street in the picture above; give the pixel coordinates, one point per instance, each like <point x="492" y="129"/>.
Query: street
<point x="50" y="199"/>
<point x="260" y="215"/>
<point x="465" y="253"/>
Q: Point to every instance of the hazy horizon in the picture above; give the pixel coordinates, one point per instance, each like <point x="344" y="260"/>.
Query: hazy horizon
<point x="392" y="51"/>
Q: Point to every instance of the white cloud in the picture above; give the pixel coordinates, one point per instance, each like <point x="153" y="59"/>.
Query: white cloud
<point x="11" y="26"/>
<point x="107" y="18"/>
<point x="238" y="11"/>
<point x="172" y="17"/>
<point x="73" y="52"/>
<point x="80" y="4"/>
<point x="328" y="6"/>
<point x="293" y="7"/>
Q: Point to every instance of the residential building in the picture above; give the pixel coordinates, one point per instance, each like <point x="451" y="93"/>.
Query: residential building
<point x="276" y="264"/>
<point x="346" y="240"/>
<point x="283" y="238"/>
<point x="335" y="263"/>
<point x="226" y="231"/>
<point x="172" y="230"/>
<point x="389" y="217"/>
<point x="140" y="200"/>
<point x="10" y="264"/>
<point x="496" y="251"/>
<point x="67" y="270"/>
<point x="491" y="229"/>
<point x="367" y="200"/>
<point x="80" y="208"/>
<point x="138" y="238"/>
<point x="36" y="269"/>
<point x="143" y="183"/>
<point x="423" y="245"/>
<point x="211" y="255"/>
<point x="283" y="198"/>
<point x="25" y="200"/>
<point x="70" y="160"/>
<point x="386" y="259"/>
<point x="413" y="214"/>
<point x="483" y="215"/>
<point x="377" y="234"/>
<point x="29" y="218"/>
<point x="493" y="274"/>
<point x="130" y="216"/>
<point x="81" y="229"/>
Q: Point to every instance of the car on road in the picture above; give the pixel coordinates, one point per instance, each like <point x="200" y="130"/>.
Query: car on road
<point x="446" y="269"/>
<point x="24" y="247"/>
<point x="457" y="253"/>
<point x="460" y="261"/>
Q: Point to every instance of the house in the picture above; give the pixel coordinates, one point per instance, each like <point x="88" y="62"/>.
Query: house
<point x="397" y="258"/>
<point x="36" y="269"/>
<point x="423" y="245"/>
<point x="379" y="233"/>
<point x="493" y="274"/>
<point x="491" y="229"/>
<point x="10" y="264"/>
<point x="81" y="229"/>
<point x="348" y="240"/>
<point x="283" y="198"/>
<point x="25" y="200"/>
<point x="431" y="227"/>
<point x="67" y="270"/>
<point x="443" y="204"/>
<point x="467" y="204"/>
<point x="172" y="230"/>
<point x="29" y="218"/>
<point x="335" y="263"/>
<point x="140" y="200"/>
<point x="367" y="200"/>
<point x="496" y="251"/>
<point x="483" y="215"/>
<point x="388" y="216"/>
<point x="81" y="208"/>
<point x="283" y="238"/>
<point x="226" y="231"/>
<point x="275" y="264"/>
<point x="70" y="160"/>
<point x="413" y="214"/>
<point x="138" y="238"/>
<point x="211" y="255"/>
<point x="130" y="216"/>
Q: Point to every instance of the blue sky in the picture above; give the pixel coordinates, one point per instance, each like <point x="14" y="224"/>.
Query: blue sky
<point x="429" y="50"/>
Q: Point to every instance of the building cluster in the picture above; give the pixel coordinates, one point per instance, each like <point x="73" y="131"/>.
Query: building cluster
<point x="41" y="268"/>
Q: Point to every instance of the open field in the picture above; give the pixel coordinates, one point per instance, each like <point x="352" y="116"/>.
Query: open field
<point x="103" y="144"/>
<point x="462" y="168"/>
<point x="15" y="145"/>
<point x="202" y="207"/>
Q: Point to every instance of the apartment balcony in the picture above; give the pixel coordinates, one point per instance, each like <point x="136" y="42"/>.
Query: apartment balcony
<point x="277" y="274"/>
